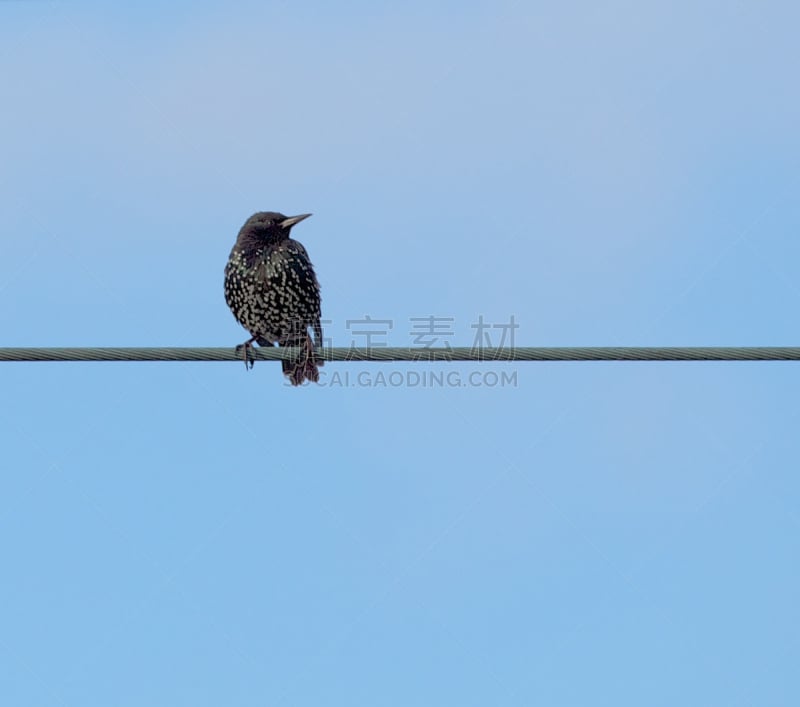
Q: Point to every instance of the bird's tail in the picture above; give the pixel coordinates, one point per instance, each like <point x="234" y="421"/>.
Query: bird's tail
<point x="306" y="367"/>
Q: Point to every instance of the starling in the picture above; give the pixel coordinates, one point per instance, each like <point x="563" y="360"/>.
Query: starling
<point x="273" y="292"/>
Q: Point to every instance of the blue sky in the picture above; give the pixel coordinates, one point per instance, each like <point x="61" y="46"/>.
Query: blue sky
<point x="610" y="173"/>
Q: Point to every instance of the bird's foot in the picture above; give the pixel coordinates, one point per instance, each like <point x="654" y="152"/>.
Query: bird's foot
<point x="246" y="350"/>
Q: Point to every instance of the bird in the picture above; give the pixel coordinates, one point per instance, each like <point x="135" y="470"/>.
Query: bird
<point x="273" y="291"/>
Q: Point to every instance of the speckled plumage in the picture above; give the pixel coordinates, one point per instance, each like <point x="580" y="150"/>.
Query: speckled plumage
<point x="273" y="292"/>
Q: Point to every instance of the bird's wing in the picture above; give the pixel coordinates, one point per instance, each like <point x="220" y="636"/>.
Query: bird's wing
<point x="301" y="265"/>
<point x="309" y="286"/>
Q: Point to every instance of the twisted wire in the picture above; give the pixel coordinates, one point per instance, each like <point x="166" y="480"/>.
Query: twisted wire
<point x="522" y="353"/>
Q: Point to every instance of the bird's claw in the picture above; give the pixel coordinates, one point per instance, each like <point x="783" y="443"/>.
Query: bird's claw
<point x="248" y="356"/>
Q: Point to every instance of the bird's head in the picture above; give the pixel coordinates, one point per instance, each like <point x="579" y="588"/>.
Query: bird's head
<point x="269" y="226"/>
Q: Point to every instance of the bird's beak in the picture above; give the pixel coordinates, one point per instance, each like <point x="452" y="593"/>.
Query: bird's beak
<point x="292" y="220"/>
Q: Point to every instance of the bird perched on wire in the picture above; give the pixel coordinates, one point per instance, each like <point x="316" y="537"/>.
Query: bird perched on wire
<point x="273" y="292"/>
